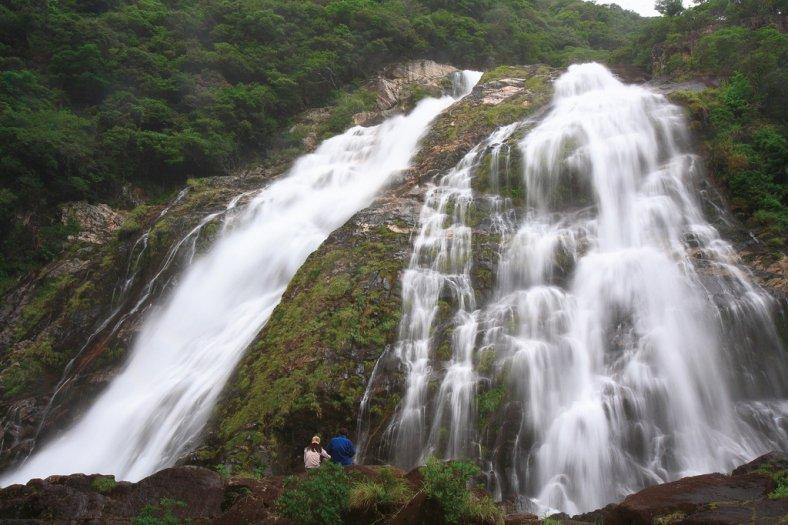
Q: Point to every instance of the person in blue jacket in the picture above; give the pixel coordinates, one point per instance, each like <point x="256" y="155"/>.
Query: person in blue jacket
<point x="341" y="449"/>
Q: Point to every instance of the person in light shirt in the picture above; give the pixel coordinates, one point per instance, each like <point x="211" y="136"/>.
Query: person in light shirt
<point x="314" y="454"/>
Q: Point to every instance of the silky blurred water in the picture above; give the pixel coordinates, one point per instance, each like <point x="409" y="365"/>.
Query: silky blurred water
<point x="630" y="346"/>
<point x="188" y="346"/>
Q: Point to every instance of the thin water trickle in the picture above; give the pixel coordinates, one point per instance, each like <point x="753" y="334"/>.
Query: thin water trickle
<point x="188" y="346"/>
<point x="441" y="260"/>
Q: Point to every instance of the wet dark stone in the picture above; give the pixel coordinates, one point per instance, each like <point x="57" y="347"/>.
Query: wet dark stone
<point x="742" y="497"/>
<point x="199" y="492"/>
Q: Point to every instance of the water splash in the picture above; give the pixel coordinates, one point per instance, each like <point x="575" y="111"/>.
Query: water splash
<point x="441" y="261"/>
<point x="628" y="346"/>
<point x="628" y="355"/>
<point x="188" y="346"/>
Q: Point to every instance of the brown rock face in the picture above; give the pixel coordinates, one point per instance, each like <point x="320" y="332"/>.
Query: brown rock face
<point x="97" y="222"/>
<point x="197" y="494"/>
<point x="743" y="497"/>
<point x="252" y="501"/>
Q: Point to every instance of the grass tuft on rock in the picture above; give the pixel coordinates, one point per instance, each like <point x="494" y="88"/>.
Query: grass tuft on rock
<point x="103" y="484"/>
<point x="380" y="495"/>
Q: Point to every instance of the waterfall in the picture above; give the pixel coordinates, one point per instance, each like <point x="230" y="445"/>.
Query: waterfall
<point x="625" y="344"/>
<point x="440" y="260"/>
<point x="154" y="410"/>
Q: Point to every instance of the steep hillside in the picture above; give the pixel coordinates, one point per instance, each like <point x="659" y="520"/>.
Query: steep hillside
<point x="308" y="369"/>
<point x="120" y="102"/>
<point x="66" y="329"/>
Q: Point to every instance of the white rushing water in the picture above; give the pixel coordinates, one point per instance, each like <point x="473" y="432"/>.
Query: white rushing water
<point x="629" y="347"/>
<point x="441" y="259"/>
<point x="187" y="348"/>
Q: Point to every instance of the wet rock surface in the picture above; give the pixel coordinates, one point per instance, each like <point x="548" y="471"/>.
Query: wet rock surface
<point x="745" y="496"/>
<point x="308" y="369"/>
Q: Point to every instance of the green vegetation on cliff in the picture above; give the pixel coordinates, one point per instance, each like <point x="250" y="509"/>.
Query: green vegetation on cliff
<point x="742" y="124"/>
<point x="308" y="368"/>
<point x="98" y="95"/>
<point x="746" y="153"/>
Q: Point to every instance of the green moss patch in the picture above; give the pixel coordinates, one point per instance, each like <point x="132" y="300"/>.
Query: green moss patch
<point x="745" y="153"/>
<point x="103" y="484"/>
<point x="501" y="72"/>
<point x="307" y="371"/>
<point x="41" y="305"/>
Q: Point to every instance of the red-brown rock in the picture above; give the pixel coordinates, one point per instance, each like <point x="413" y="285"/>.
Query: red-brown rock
<point x="742" y="497"/>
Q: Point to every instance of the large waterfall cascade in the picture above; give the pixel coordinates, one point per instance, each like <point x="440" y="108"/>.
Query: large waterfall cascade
<point x="441" y="259"/>
<point x="624" y="343"/>
<point x="188" y="346"/>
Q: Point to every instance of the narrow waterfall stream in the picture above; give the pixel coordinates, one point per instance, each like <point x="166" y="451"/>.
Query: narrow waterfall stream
<point x="441" y="258"/>
<point x="623" y="343"/>
<point x="187" y="348"/>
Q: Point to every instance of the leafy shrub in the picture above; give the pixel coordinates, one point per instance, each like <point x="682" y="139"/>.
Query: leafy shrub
<point x="387" y="491"/>
<point x="161" y="514"/>
<point x="348" y="105"/>
<point x="224" y="470"/>
<point x="781" y="478"/>
<point x="446" y="483"/>
<point x="319" y="498"/>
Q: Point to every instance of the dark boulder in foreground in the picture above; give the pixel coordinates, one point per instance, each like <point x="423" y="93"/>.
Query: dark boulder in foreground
<point x="198" y="495"/>
<point x="193" y="492"/>
<point x="742" y="497"/>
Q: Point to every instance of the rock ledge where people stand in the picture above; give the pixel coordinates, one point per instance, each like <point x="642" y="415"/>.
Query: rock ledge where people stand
<point x="201" y="495"/>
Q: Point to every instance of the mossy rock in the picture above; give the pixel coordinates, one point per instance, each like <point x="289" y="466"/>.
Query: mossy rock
<point x="502" y="72"/>
<point x="307" y="370"/>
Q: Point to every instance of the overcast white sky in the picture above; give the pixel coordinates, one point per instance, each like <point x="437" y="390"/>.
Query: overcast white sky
<point x="644" y="7"/>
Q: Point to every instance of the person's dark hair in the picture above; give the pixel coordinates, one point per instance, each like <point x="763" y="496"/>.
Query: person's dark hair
<point x="343" y="432"/>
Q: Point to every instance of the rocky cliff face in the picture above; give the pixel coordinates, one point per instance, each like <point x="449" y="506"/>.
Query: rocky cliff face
<point x="308" y="369"/>
<point x="65" y="331"/>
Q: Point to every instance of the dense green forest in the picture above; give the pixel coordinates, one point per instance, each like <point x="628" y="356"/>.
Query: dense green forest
<point x="742" y="124"/>
<point x="103" y="98"/>
<point x="98" y="94"/>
